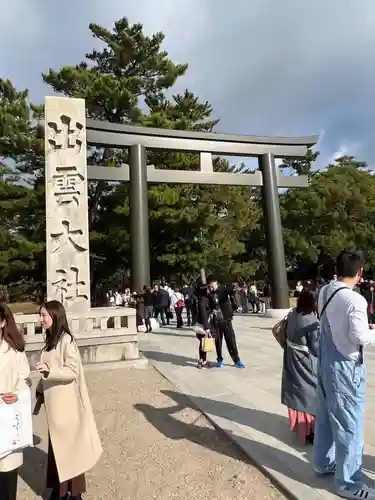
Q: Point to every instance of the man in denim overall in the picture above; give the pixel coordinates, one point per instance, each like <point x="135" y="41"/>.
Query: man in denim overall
<point x="339" y="427"/>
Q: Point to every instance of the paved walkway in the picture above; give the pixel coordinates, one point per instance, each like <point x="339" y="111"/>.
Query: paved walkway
<point x="246" y="403"/>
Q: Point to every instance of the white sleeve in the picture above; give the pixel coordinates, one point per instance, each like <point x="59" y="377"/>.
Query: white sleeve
<point x="23" y="372"/>
<point x="358" y="322"/>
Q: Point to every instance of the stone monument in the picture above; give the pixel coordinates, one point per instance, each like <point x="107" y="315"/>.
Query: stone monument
<point x="68" y="268"/>
<point x="107" y="334"/>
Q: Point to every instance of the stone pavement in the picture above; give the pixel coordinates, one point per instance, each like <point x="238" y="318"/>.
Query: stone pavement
<point x="246" y="403"/>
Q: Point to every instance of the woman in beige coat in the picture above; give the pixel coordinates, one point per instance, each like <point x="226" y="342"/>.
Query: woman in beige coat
<point x="74" y="443"/>
<point x="14" y="371"/>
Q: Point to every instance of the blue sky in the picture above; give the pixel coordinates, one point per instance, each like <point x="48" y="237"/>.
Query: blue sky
<point x="269" y="67"/>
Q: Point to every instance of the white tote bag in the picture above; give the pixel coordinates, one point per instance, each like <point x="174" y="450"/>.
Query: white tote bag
<point x="16" y="424"/>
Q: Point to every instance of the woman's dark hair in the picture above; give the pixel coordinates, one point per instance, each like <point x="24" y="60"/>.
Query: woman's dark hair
<point x="306" y="303"/>
<point x="59" y="324"/>
<point x="10" y="333"/>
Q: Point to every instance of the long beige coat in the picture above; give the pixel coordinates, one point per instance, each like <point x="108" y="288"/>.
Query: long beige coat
<point x="14" y="370"/>
<point x="71" y="424"/>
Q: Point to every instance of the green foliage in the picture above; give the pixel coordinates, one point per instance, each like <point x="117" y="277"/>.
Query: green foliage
<point x="302" y="166"/>
<point x="337" y="211"/>
<point x="14" y="121"/>
<point x="22" y="211"/>
<point x="112" y="80"/>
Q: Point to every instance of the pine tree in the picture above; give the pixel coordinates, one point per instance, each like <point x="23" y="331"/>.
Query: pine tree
<point x="131" y="69"/>
<point x="20" y="246"/>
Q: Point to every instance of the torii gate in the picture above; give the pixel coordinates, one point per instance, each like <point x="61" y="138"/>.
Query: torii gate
<point x="266" y="149"/>
<point x="68" y="273"/>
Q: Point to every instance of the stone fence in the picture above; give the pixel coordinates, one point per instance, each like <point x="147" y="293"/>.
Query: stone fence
<point x="107" y="334"/>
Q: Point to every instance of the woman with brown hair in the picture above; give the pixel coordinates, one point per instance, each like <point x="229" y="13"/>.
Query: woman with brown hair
<point x="74" y="443"/>
<point x="299" y="379"/>
<point x="14" y="371"/>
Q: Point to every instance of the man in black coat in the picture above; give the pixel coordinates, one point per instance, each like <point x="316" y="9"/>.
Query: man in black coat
<point x="189" y="297"/>
<point x="221" y="311"/>
<point x="164" y="303"/>
<point x="161" y="304"/>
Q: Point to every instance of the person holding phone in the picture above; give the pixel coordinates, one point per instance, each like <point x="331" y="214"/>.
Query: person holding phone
<point x="221" y="309"/>
<point x="74" y="444"/>
<point x="14" y="373"/>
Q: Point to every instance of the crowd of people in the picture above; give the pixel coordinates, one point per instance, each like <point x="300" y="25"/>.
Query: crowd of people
<point x="163" y="301"/>
<point x="74" y="445"/>
<point x="253" y="298"/>
<point x="324" y="375"/>
<point x="209" y="309"/>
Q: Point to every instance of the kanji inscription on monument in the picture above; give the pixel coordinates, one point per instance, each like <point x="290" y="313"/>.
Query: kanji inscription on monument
<point x="68" y="272"/>
<point x="67" y="236"/>
<point x="66" y="185"/>
<point x="68" y="285"/>
<point x="62" y="134"/>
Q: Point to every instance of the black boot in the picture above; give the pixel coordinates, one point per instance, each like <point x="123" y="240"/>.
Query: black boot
<point x="310" y="438"/>
<point x="55" y="495"/>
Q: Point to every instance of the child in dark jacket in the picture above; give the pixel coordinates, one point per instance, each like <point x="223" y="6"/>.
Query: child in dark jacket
<point x="202" y="328"/>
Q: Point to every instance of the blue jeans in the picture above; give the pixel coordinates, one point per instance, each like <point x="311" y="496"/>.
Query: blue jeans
<point x="339" y="428"/>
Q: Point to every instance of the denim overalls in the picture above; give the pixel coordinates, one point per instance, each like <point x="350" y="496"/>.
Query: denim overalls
<point x="339" y="427"/>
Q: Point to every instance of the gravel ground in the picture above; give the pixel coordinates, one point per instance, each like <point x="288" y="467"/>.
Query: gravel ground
<point x="154" y="448"/>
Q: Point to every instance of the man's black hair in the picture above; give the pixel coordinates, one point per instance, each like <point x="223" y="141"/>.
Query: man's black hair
<point x="349" y="263"/>
<point x="211" y="279"/>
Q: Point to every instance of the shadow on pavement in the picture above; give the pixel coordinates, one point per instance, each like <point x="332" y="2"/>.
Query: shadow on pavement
<point x="173" y="428"/>
<point x="164" y="357"/>
<point x="266" y="456"/>
<point x="177" y="333"/>
<point x="369" y="467"/>
<point x="272" y="424"/>
<point x="33" y="470"/>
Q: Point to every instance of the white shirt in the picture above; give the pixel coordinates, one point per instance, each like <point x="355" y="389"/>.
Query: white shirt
<point x="347" y="318"/>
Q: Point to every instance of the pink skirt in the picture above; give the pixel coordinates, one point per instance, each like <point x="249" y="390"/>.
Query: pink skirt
<point x="301" y="423"/>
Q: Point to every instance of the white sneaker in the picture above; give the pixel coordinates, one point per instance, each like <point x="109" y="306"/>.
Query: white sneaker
<point x="364" y="493"/>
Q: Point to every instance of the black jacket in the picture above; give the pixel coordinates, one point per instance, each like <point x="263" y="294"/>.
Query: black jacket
<point x="163" y="299"/>
<point x="148" y="299"/>
<point x="221" y="300"/>
<point x="189" y="295"/>
<point x="203" y="311"/>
